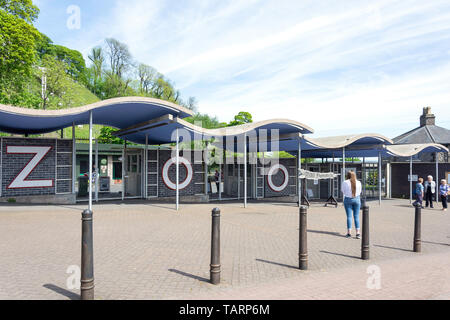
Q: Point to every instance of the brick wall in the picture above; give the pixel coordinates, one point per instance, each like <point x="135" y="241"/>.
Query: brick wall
<point x="13" y="164"/>
<point x="195" y="187"/>
<point x="278" y="179"/>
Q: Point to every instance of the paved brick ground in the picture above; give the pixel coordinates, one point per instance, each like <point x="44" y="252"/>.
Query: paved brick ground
<point x="149" y="251"/>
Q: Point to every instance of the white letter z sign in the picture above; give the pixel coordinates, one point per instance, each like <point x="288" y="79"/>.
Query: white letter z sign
<point x="39" y="154"/>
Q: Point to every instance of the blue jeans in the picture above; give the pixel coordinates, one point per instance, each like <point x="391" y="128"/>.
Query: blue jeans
<point x="352" y="207"/>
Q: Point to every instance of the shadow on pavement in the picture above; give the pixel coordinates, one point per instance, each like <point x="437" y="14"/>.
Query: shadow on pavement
<point x="69" y="294"/>
<point x="337" y="234"/>
<point x="277" y="263"/>
<point x="393" y="248"/>
<point x="438" y="243"/>
<point x="341" y="254"/>
<point x="189" y="275"/>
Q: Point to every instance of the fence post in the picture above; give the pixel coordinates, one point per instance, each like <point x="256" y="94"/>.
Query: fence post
<point x="87" y="257"/>
<point x="417" y="229"/>
<point x="303" y="239"/>
<point x="215" y="247"/>
<point x="365" y="248"/>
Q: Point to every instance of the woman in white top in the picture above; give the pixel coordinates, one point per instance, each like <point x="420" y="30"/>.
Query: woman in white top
<point x="351" y="188"/>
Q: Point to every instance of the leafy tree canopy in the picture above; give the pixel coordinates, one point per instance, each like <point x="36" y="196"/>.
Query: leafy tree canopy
<point x="24" y="9"/>
<point x="17" y="54"/>
<point x="75" y="64"/>
<point x="106" y="136"/>
<point x="241" y="118"/>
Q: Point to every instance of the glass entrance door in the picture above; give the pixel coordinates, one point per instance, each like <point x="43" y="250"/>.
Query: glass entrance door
<point x="133" y="173"/>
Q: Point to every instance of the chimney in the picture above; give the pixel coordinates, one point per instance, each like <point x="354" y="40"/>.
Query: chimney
<point x="427" y="119"/>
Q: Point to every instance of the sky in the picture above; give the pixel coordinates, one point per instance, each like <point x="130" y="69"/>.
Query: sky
<point x="339" y="67"/>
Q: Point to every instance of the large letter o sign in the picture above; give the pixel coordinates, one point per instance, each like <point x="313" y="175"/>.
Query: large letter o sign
<point x="165" y="173"/>
<point x="270" y="174"/>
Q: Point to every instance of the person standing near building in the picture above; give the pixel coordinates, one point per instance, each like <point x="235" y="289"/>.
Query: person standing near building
<point x="444" y="191"/>
<point x="419" y="193"/>
<point x="351" y="188"/>
<point x="216" y="178"/>
<point x="430" y="190"/>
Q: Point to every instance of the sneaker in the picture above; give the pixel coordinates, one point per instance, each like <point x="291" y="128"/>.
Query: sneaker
<point x="358" y="236"/>
<point x="348" y="236"/>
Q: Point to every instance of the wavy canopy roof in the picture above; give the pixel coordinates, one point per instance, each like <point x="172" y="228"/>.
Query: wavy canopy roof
<point x="138" y="118"/>
<point x="118" y="113"/>
<point x="163" y="130"/>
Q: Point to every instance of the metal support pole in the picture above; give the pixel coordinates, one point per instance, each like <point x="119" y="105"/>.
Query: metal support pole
<point x="343" y="170"/>
<point x="303" y="239"/>
<point x="220" y="176"/>
<point x="74" y="158"/>
<point x="437" y="177"/>
<point x="124" y="154"/>
<point x="178" y="173"/>
<point x="332" y="186"/>
<point x="380" y="164"/>
<point x="97" y="171"/>
<point x="87" y="248"/>
<point x="363" y="172"/>
<point x="417" y="229"/>
<point x="299" y="180"/>
<point x="410" y="179"/>
<point x="90" y="161"/>
<point x="239" y="177"/>
<point x="365" y="253"/>
<point x="215" y="247"/>
<point x="245" y="171"/>
<point x="146" y="168"/>
<point x="206" y="168"/>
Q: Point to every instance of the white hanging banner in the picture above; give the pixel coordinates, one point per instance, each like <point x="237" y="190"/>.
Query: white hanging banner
<point x="309" y="175"/>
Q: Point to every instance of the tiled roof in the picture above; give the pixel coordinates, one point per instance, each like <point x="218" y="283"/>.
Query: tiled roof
<point x="425" y="134"/>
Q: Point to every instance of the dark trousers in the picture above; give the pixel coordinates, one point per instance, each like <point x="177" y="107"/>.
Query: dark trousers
<point x="444" y="202"/>
<point x="419" y="199"/>
<point x="429" y="199"/>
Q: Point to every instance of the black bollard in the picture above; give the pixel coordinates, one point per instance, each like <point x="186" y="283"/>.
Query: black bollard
<point x="87" y="257"/>
<point x="417" y="228"/>
<point x="303" y="239"/>
<point x="365" y="251"/>
<point x="215" y="247"/>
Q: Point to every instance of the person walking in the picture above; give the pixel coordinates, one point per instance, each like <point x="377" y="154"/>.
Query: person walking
<point x="351" y="188"/>
<point x="419" y="193"/>
<point x="444" y="191"/>
<point x="430" y="190"/>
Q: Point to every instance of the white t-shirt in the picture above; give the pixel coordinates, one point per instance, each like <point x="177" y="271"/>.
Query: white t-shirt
<point x="347" y="189"/>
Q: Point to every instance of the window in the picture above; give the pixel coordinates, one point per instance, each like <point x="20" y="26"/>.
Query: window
<point x="117" y="170"/>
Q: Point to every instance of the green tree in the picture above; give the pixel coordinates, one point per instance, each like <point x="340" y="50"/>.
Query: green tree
<point x="76" y="66"/>
<point x="95" y="72"/>
<point x="106" y="136"/>
<point x="73" y="59"/>
<point x="205" y="121"/>
<point x="24" y="9"/>
<point x="146" y="76"/>
<point x="62" y="90"/>
<point x="120" y="58"/>
<point x="17" y="55"/>
<point x="241" y="118"/>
